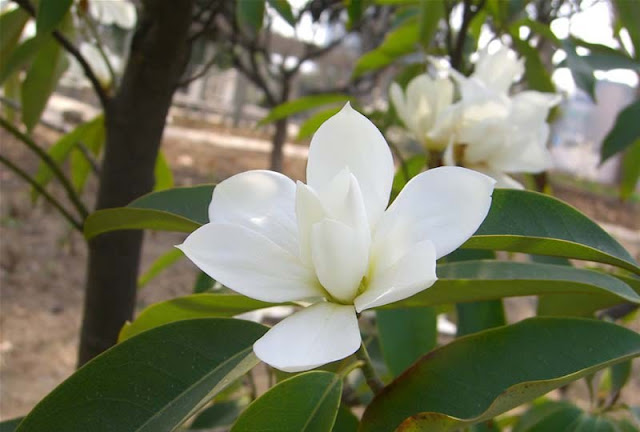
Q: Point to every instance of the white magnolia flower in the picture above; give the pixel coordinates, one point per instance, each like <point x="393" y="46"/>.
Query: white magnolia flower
<point x="489" y="131"/>
<point x="121" y="13"/>
<point x="421" y="105"/>
<point x="331" y="242"/>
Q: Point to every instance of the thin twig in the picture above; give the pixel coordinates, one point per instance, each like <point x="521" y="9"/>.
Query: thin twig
<point x="71" y="49"/>
<point x="370" y="375"/>
<point x="76" y="224"/>
<point x="46" y="158"/>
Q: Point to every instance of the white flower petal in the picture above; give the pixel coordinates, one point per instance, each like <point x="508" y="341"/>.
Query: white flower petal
<point x="309" y="211"/>
<point x="445" y="205"/>
<point x="412" y="273"/>
<point x="262" y="201"/>
<point x="350" y="140"/>
<point x="396" y="96"/>
<point x="503" y="180"/>
<point x="339" y="257"/>
<point x="250" y="263"/>
<point x="499" y="70"/>
<point x="312" y="337"/>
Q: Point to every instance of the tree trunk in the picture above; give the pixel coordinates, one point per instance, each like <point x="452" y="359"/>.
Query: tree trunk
<point x="135" y="121"/>
<point x="278" y="140"/>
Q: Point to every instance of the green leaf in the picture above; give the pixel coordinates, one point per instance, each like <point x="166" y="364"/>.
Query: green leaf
<point x="302" y="104"/>
<point x="203" y="283"/>
<point x="413" y="166"/>
<point x="20" y="57"/>
<point x="473" y="379"/>
<point x="354" y="11"/>
<point x="162" y="173"/>
<point x="487" y="280"/>
<point x="581" y="71"/>
<point x="547" y="416"/>
<point x="164" y="261"/>
<point x="190" y="307"/>
<point x="624" y="133"/>
<point x="304" y="403"/>
<point x="535" y="72"/>
<point x="431" y="12"/>
<point x="10" y="425"/>
<point x="152" y="382"/>
<point x="220" y="414"/>
<point x="477" y="316"/>
<point x="398" y="42"/>
<point x="11" y="24"/>
<point x="311" y="125"/>
<point x="346" y="421"/>
<point x="88" y="143"/>
<point x="250" y="14"/>
<point x="41" y="80"/>
<point x="629" y="16"/>
<point x="406" y="335"/>
<point x="630" y="170"/>
<point x="50" y="14"/>
<point x="284" y="10"/>
<point x="91" y="134"/>
<point x="177" y="209"/>
<point x="529" y="222"/>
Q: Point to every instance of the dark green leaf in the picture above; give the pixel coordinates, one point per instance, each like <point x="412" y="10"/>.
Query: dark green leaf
<point x="630" y="170"/>
<point x="354" y="11"/>
<point x="303" y="104"/>
<point x="189" y="202"/>
<point x="50" y="14"/>
<point x="10" y="425"/>
<point x="346" y="421"/>
<point x="190" y="307"/>
<point x="203" y="283"/>
<point x="488" y="280"/>
<point x="581" y="71"/>
<point x="284" y="10"/>
<point x="311" y="125"/>
<point x="11" y="24"/>
<point x="473" y="378"/>
<point x="304" y="403"/>
<point x="20" y="57"/>
<point x="162" y="173"/>
<point x="250" y="14"/>
<point x="477" y="316"/>
<point x="41" y="80"/>
<point x="529" y="222"/>
<point x="629" y="16"/>
<point x="535" y="72"/>
<point x="431" y="12"/>
<point x="624" y="133"/>
<point x="548" y="416"/>
<point x="152" y="382"/>
<point x="220" y="414"/>
<point x="160" y="264"/>
<point x="406" y="335"/>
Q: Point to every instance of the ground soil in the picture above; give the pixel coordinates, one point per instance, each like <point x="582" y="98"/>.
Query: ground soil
<point x="42" y="259"/>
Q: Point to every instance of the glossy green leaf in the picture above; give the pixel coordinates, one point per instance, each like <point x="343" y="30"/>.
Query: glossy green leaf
<point x="303" y="104"/>
<point x="284" y="10"/>
<point x="11" y="24"/>
<point x="431" y="12"/>
<point x="10" y="425"/>
<point x="629" y="16"/>
<point x="162" y="173"/>
<point x="125" y="218"/>
<point x="41" y="80"/>
<point x="487" y="280"/>
<point x="190" y="307"/>
<point x="250" y="14"/>
<point x="20" y="57"/>
<point x="477" y="316"/>
<point x="406" y="335"/>
<point x="624" y="133"/>
<point x="90" y="134"/>
<point x="473" y="378"/>
<point x="163" y="262"/>
<point x="203" y="283"/>
<point x="630" y="170"/>
<point x="50" y="14"/>
<point x="398" y="42"/>
<point x="220" y="414"/>
<point x="346" y="421"/>
<point x="177" y="209"/>
<point x="152" y="382"/>
<point x="529" y="222"/>
<point x="311" y="125"/>
<point x="549" y="415"/>
<point x="575" y="304"/>
<point x="304" y="403"/>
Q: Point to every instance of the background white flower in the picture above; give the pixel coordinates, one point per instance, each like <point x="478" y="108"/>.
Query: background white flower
<point x="419" y="107"/>
<point x="331" y="242"/>
<point x="114" y="12"/>
<point x="492" y="132"/>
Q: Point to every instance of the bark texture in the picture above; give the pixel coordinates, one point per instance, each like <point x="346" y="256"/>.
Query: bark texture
<point x="135" y="120"/>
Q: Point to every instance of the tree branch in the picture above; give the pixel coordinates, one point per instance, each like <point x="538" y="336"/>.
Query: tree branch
<point x="71" y="49"/>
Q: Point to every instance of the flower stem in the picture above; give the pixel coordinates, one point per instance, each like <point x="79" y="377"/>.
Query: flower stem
<point x="370" y="375"/>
